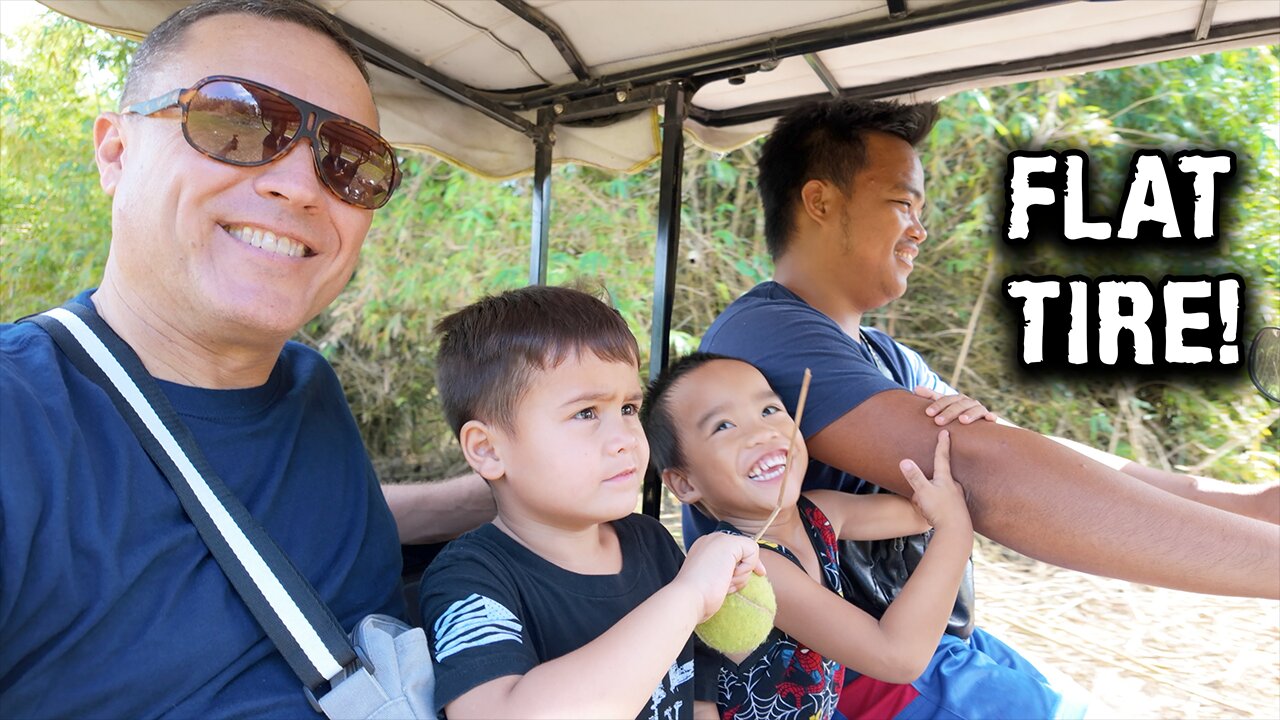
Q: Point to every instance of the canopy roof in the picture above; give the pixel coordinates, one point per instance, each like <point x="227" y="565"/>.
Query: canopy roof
<point x="474" y="81"/>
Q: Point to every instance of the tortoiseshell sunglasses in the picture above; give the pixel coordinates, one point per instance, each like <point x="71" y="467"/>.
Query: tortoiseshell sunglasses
<point x="246" y="123"/>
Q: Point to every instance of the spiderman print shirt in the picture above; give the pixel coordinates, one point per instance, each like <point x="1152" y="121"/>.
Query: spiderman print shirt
<point x="782" y="679"/>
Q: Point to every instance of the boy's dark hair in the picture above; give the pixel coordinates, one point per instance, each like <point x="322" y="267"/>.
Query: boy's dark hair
<point x="167" y="36"/>
<point x="824" y="141"/>
<point x="490" y="349"/>
<point x="655" y="413"/>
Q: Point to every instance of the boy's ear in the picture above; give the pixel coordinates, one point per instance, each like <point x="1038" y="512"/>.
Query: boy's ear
<point x="678" y="483"/>
<point x="477" y="440"/>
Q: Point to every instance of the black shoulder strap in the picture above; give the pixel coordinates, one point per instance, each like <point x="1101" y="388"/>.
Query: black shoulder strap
<point x="280" y="598"/>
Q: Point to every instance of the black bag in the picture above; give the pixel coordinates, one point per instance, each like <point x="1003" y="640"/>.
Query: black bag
<point x="874" y="571"/>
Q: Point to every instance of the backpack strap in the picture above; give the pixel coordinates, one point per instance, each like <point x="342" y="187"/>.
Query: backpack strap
<point x="280" y="598"/>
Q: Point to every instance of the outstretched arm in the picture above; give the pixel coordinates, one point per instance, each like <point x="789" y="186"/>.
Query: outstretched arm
<point x="1052" y="503"/>
<point x="429" y="512"/>
<point x="1260" y="501"/>
<point x="898" y="647"/>
<point x="869" y="517"/>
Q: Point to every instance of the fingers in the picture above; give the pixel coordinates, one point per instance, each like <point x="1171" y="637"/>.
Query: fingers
<point x="944" y="406"/>
<point x="915" y="477"/>
<point x="744" y="553"/>
<point x="940" y="401"/>
<point x="741" y="574"/>
<point x="976" y="412"/>
<point x="719" y="563"/>
<point x="949" y="408"/>
<point x="942" y="456"/>
<point x="747" y="555"/>
<point x="961" y="407"/>
<point x="749" y="562"/>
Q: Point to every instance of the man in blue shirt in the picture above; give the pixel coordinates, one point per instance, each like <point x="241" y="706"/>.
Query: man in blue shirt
<point x="842" y="189"/>
<point x="223" y="245"/>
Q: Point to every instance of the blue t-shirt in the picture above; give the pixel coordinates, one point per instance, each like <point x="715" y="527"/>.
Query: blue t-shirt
<point x="492" y="607"/>
<point x="778" y="332"/>
<point x="110" y="604"/>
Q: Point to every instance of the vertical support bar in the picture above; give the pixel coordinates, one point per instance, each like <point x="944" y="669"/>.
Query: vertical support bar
<point x="668" y="245"/>
<point x="541" y="222"/>
<point x="668" y="249"/>
<point x="1205" y="23"/>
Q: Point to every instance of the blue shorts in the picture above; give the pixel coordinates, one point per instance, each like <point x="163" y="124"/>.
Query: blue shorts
<point x="980" y="678"/>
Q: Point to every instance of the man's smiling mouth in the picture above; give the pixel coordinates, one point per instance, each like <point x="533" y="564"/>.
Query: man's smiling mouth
<point x="267" y="240"/>
<point x="907" y="254"/>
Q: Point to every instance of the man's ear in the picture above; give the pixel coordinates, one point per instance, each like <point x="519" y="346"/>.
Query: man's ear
<point x="108" y="150"/>
<point x="818" y="197"/>
<point x="678" y="483"/>
<point x="477" y="440"/>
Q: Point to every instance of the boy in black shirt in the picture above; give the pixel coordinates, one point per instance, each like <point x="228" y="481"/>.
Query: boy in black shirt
<point x="567" y="605"/>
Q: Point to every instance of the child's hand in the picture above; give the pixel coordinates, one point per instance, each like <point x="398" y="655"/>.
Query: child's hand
<point x="940" y="500"/>
<point x="718" y="564"/>
<point x="946" y="408"/>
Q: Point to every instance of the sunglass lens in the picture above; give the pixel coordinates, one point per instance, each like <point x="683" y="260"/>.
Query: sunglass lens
<point x="358" y="165"/>
<point x="240" y="123"/>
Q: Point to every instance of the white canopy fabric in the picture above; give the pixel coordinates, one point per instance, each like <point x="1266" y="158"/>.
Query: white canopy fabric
<point x="746" y="58"/>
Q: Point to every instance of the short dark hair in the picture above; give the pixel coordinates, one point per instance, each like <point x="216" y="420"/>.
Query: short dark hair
<point x="490" y="349"/>
<point x="162" y="40"/>
<point x="659" y="425"/>
<point x="824" y="141"/>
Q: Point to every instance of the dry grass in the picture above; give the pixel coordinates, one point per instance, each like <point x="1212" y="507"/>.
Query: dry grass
<point x="1140" y="652"/>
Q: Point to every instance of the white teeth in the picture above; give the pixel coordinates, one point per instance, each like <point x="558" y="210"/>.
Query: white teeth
<point x="766" y="465"/>
<point x="267" y="240"/>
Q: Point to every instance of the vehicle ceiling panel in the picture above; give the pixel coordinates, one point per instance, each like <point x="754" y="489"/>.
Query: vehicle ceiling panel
<point x="745" y="59"/>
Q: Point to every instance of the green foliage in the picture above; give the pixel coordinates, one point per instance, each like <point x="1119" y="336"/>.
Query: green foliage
<point x="1228" y="101"/>
<point x="449" y="238"/>
<point x="55" y="222"/>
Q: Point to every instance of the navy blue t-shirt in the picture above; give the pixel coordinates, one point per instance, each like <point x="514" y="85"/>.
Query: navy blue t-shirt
<point x="492" y="607"/>
<point x="775" y="330"/>
<point x="110" y="604"/>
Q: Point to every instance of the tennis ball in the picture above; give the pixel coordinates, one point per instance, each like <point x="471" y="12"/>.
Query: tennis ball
<point x="745" y="619"/>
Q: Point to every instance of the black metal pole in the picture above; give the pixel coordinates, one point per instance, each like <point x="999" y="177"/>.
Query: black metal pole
<point x="668" y="249"/>
<point x="541" y="222"/>
<point x="548" y="27"/>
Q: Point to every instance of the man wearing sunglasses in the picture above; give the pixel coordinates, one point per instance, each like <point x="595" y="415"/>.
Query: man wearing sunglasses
<point x="244" y="170"/>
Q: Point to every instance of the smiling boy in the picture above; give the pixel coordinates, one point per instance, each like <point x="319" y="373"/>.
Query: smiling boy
<point x="720" y="437"/>
<point x="567" y="604"/>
